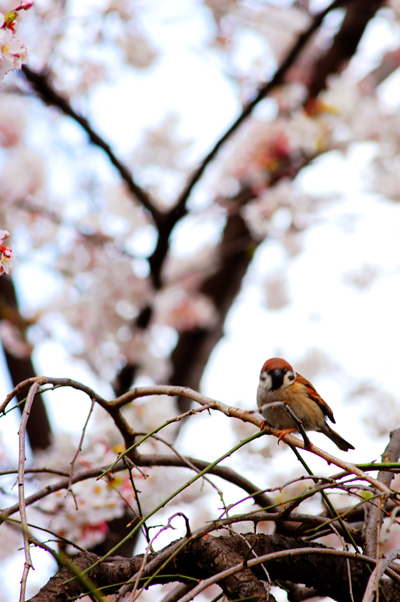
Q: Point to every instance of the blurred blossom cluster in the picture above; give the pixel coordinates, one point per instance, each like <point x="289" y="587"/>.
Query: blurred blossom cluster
<point x="90" y="232"/>
<point x="97" y="238"/>
<point x="81" y="515"/>
<point x="267" y="150"/>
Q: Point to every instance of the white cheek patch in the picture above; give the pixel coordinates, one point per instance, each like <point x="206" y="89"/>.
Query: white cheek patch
<point x="267" y="382"/>
<point x="289" y="381"/>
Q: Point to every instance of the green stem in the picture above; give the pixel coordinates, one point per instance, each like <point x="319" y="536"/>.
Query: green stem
<point x="328" y="502"/>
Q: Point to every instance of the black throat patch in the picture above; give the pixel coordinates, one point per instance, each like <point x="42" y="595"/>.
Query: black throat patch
<point x="276" y="378"/>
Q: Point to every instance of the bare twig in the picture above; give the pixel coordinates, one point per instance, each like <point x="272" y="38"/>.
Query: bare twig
<point x="79" y="447"/>
<point x="44" y="470"/>
<point x="113" y="406"/>
<point x="56" y="382"/>
<point x="191" y="465"/>
<point x="380" y="567"/>
<point x="130" y="465"/>
<point x="178" y="592"/>
<point x="21" y="493"/>
<point x="17" y="389"/>
<point x="136" y="578"/>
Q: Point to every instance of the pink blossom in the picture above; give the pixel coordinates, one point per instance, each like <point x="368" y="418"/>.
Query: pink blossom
<point x="12" y="52"/>
<point x="7" y="256"/>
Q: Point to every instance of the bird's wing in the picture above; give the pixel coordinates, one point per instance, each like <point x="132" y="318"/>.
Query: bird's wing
<point x="312" y="394"/>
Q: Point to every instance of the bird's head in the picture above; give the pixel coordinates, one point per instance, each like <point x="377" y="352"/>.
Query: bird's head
<point x="276" y="374"/>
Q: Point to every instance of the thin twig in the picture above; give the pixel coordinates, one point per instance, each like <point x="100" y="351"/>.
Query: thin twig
<point x="79" y="448"/>
<point x="178" y="591"/>
<point x="136" y="578"/>
<point x="190" y="464"/>
<point x="130" y="465"/>
<point x="21" y="493"/>
<point x="56" y="382"/>
<point x="17" y="389"/>
<point x="345" y="547"/>
<point x="156" y="430"/>
<point x="380" y="567"/>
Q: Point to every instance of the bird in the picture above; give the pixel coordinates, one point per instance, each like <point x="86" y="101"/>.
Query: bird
<point x="279" y="382"/>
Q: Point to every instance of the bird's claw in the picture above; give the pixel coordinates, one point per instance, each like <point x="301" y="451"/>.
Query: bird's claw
<point x="284" y="432"/>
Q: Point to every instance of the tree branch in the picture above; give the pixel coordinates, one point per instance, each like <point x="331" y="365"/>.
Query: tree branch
<point x="21" y="486"/>
<point x="375" y="512"/>
<point x="41" y="85"/>
<point x="180" y="210"/>
<point x="204" y="558"/>
<point x="356" y="19"/>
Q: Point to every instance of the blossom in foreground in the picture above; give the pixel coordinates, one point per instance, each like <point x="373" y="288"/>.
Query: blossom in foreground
<point x="7" y="255"/>
<point x="12" y="52"/>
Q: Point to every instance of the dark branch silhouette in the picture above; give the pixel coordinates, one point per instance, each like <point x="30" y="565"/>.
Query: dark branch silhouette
<point x="43" y="88"/>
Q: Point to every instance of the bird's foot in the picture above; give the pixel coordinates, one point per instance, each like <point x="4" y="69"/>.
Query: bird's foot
<point x="284" y="432"/>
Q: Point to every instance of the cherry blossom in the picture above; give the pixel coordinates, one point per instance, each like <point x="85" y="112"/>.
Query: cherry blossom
<point x="7" y="256"/>
<point x="12" y="52"/>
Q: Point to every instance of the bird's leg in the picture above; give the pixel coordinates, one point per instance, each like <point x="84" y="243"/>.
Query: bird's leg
<point x="284" y="432"/>
<point x="299" y="423"/>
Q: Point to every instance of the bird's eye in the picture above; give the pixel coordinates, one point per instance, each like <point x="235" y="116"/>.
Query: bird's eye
<point x="277" y="372"/>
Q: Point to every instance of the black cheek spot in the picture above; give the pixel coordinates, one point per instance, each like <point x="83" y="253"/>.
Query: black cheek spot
<point x="263" y="376"/>
<point x="291" y="377"/>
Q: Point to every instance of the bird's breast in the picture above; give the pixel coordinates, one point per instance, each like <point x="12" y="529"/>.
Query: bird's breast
<point x="306" y="409"/>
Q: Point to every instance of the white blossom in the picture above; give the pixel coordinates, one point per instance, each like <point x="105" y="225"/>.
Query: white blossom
<point x="12" y="52"/>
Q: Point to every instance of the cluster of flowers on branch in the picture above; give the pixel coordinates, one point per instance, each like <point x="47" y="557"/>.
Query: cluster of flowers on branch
<point x="12" y="52"/>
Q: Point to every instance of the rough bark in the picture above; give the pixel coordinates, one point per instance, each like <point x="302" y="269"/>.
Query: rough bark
<point x="208" y="556"/>
<point x="375" y="513"/>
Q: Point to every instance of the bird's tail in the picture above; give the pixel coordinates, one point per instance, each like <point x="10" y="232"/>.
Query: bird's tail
<point x="337" y="439"/>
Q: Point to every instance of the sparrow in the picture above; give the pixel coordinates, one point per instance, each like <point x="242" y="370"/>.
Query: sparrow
<point x="279" y="382"/>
